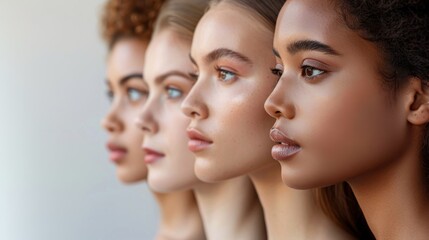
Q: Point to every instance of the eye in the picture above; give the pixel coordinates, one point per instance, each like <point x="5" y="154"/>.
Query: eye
<point x="173" y="92"/>
<point x="277" y="70"/>
<point x="110" y="95"/>
<point x="225" y="75"/>
<point x="135" y="95"/>
<point x="311" y="72"/>
<point x="194" y="75"/>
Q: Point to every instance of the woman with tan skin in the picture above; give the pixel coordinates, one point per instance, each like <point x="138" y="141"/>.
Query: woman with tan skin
<point x="127" y="28"/>
<point x="351" y="105"/>
<point x="230" y="210"/>
<point x="229" y="127"/>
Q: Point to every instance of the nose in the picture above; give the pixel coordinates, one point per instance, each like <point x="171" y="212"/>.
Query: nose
<point x="194" y="105"/>
<point x="279" y="103"/>
<point x="146" y="120"/>
<point x="112" y="122"/>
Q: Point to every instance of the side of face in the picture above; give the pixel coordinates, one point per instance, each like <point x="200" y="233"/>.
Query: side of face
<point x="171" y="164"/>
<point x="232" y="59"/>
<point x="330" y="100"/>
<point x="128" y="94"/>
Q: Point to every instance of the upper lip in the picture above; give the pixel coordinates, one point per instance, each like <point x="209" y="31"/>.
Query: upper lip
<point x="115" y="147"/>
<point x="194" y="134"/>
<point x="278" y="136"/>
<point x="150" y="151"/>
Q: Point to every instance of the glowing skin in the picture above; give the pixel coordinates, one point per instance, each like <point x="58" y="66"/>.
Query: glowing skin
<point x="171" y="164"/>
<point x="128" y="94"/>
<point x="169" y="161"/>
<point x="233" y="60"/>
<point x="331" y="101"/>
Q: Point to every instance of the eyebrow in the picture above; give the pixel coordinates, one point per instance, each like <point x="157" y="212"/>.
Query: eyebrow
<point x="166" y="75"/>
<point x="225" y="52"/>
<point x="126" y="78"/>
<point x="310" y="45"/>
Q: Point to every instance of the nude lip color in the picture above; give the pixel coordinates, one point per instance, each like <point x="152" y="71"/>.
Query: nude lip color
<point x="116" y="153"/>
<point x="285" y="146"/>
<point x="151" y="155"/>
<point x="197" y="141"/>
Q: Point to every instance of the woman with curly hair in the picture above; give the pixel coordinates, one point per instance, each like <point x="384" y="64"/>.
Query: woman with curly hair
<point x="127" y="27"/>
<point x="352" y="104"/>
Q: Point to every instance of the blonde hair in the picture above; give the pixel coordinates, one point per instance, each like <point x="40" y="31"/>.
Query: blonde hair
<point x="181" y="16"/>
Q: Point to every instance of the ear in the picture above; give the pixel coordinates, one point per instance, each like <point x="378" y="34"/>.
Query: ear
<point x="418" y="111"/>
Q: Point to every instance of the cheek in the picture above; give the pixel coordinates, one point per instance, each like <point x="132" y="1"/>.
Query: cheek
<point x="351" y="132"/>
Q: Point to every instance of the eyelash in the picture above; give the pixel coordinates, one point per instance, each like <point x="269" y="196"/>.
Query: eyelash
<point x="222" y="71"/>
<point x="142" y="94"/>
<point x="110" y="95"/>
<point x="168" y="90"/>
<point x="305" y="68"/>
<point x="277" y="72"/>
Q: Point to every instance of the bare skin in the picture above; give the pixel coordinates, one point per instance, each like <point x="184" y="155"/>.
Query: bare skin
<point x="180" y="218"/>
<point x="229" y="210"/>
<point x="232" y="60"/>
<point x="334" y="89"/>
<point x="228" y="215"/>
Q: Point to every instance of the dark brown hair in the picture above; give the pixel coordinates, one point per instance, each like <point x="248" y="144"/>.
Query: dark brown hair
<point x="400" y="30"/>
<point x="129" y="18"/>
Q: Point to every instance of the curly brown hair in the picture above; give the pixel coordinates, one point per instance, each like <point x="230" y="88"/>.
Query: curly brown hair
<point x="129" y="18"/>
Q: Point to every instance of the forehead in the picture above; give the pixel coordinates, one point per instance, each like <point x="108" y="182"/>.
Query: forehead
<point x="126" y="56"/>
<point x="167" y="51"/>
<point x="314" y="19"/>
<point x="228" y="26"/>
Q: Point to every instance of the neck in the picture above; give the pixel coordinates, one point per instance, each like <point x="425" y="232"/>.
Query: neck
<point x="394" y="199"/>
<point x="231" y="210"/>
<point x="290" y="213"/>
<point x="180" y="217"/>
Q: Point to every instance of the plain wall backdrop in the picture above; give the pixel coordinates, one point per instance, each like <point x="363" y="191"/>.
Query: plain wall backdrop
<point x="56" y="182"/>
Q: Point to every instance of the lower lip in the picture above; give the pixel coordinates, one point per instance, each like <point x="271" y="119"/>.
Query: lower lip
<point x="117" y="155"/>
<point x="281" y="152"/>
<point x="198" y="145"/>
<point x="151" y="158"/>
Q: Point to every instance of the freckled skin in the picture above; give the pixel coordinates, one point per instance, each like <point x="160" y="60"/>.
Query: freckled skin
<point x="126" y="58"/>
<point x="234" y="116"/>
<point x="162" y="118"/>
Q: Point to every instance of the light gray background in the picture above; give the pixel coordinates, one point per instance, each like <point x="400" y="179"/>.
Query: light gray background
<point x="56" y="182"/>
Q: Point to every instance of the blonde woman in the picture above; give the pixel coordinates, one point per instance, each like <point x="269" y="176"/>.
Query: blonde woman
<point x="127" y="28"/>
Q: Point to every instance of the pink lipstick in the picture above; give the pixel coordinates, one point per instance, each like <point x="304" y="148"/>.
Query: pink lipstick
<point x="285" y="146"/>
<point x="151" y="155"/>
<point x="197" y="141"/>
<point x="116" y="153"/>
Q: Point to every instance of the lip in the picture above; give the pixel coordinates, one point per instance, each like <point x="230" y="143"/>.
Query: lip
<point x="285" y="147"/>
<point x="116" y="152"/>
<point x="151" y="155"/>
<point x="197" y="141"/>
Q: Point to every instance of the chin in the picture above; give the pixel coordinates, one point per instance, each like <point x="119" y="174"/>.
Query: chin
<point x="207" y="172"/>
<point x="129" y="178"/>
<point x="167" y="185"/>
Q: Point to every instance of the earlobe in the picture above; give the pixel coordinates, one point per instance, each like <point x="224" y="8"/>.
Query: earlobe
<point x="419" y="108"/>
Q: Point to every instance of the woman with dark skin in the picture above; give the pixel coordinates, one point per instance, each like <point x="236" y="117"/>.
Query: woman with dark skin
<point x="352" y="104"/>
<point x="228" y="128"/>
